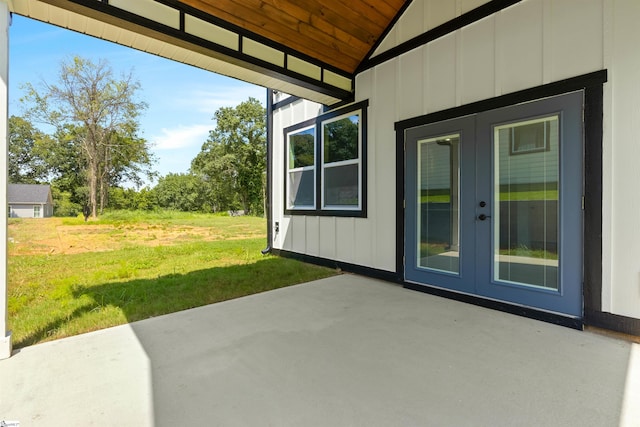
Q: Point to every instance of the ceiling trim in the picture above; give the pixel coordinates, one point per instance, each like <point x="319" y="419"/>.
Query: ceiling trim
<point x="184" y="26"/>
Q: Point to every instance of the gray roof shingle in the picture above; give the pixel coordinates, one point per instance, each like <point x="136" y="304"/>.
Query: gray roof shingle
<point x="28" y="193"/>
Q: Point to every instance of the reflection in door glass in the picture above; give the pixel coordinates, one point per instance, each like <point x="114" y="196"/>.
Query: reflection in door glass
<point x="438" y="203"/>
<point x="525" y="210"/>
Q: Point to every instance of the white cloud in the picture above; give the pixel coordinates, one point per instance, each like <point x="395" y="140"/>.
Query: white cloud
<point x="181" y="137"/>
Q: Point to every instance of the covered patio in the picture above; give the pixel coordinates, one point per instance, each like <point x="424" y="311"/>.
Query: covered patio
<point x="343" y="351"/>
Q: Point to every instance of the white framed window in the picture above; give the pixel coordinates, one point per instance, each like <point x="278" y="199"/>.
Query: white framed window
<point x="36" y="211"/>
<point x="301" y="169"/>
<point x="341" y="166"/>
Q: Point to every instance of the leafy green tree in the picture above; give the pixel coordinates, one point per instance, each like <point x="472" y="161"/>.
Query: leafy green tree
<point x="181" y="192"/>
<point x="27" y="152"/>
<point x="96" y="117"/>
<point x="130" y="199"/>
<point x="63" y="204"/>
<point x="232" y="161"/>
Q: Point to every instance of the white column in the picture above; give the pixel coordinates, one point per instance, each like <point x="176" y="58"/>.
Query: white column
<point x="5" y="18"/>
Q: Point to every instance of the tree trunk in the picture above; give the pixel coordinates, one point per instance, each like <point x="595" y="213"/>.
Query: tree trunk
<point x="93" y="188"/>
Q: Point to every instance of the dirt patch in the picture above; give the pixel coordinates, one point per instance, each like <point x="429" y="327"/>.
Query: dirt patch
<point x="50" y="236"/>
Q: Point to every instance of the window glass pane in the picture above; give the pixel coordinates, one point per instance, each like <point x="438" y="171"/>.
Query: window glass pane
<point x="438" y="203"/>
<point x="301" y="188"/>
<point x="341" y="185"/>
<point x="341" y="139"/>
<point x="301" y="148"/>
<point x="526" y="203"/>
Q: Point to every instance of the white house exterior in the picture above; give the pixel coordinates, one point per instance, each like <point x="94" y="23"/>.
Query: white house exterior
<point x="527" y="52"/>
<point x="483" y="150"/>
<point x="29" y="201"/>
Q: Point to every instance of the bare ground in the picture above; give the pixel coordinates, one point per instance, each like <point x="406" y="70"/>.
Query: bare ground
<point x="51" y="236"/>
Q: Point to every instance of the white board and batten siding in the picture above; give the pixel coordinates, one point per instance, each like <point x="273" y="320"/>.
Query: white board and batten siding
<point x="348" y="240"/>
<point x="531" y="43"/>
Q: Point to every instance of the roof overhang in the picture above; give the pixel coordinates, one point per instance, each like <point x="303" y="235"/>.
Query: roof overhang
<point x="182" y="33"/>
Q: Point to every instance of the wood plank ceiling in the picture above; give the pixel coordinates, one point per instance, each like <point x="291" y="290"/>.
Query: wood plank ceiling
<point x="335" y="32"/>
<point x="307" y="48"/>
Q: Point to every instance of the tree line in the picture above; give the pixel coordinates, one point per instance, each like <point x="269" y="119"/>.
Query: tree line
<point x="81" y="135"/>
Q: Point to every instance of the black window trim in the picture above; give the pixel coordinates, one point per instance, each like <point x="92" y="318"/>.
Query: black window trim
<point x="361" y="109"/>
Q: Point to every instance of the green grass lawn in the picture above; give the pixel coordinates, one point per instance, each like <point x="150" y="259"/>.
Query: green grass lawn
<point x="133" y="271"/>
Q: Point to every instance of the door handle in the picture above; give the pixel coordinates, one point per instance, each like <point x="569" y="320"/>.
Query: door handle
<point x="483" y="217"/>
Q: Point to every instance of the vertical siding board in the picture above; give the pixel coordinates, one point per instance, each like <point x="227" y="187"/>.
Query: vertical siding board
<point x="413" y="23"/>
<point x="389" y="41"/>
<point x="468" y="5"/>
<point x="547" y="41"/>
<point x="287" y="233"/>
<point x="298" y="111"/>
<point x="363" y="240"/>
<point x="576" y="28"/>
<point x="623" y="168"/>
<point x="441" y="70"/>
<point x="328" y="237"/>
<point x="345" y="239"/>
<point x="313" y="236"/>
<point x="609" y="48"/>
<point x="411" y="84"/>
<point x="299" y="231"/>
<point x="437" y="12"/>
<point x="519" y="47"/>
<point x="364" y="229"/>
<point x="478" y="64"/>
<point x="364" y="85"/>
<point x="383" y="118"/>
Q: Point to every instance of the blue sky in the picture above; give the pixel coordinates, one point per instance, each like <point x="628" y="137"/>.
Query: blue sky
<point x="182" y="99"/>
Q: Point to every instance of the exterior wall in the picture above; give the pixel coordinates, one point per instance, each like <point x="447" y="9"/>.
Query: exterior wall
<point x="424" y="15"/>
<point x="621" y="202"/>
<point x="531" y="43"/>
<point x="353" y="240"/>
<point x="26" y="211"/>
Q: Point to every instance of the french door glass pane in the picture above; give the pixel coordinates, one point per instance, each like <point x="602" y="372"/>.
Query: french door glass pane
<point x="525" y="210"/>
<point x="438" y="204"/>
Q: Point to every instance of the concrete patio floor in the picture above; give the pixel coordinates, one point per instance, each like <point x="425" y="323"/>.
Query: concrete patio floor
<point x="343" y="351"/>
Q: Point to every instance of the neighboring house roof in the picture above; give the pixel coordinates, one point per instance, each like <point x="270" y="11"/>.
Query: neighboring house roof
<point x="28" y="193"/>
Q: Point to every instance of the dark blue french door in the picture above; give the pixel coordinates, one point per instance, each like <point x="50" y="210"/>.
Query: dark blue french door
<point x="493" y="204"/>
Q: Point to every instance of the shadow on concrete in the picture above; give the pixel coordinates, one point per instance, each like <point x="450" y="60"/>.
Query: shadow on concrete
<point x="343" y="351"/>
